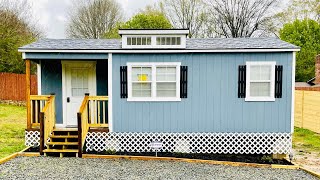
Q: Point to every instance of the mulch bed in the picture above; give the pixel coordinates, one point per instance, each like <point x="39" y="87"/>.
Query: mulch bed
<point x="246" y="158"/>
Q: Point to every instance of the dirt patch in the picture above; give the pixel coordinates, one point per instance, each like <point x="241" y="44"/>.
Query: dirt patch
<point x="306" y="159"/>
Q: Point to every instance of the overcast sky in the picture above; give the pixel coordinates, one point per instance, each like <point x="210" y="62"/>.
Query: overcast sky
<point x="51" y="15"/>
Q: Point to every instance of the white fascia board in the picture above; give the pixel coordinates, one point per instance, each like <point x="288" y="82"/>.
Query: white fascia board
<point x="153" y="32"/>
<point x="155" y="50"/>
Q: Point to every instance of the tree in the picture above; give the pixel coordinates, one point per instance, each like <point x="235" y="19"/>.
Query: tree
<point x="92" y="18"/>
<point x="306" y="34"/>
<point x="148" y="19"/>
<point x="16" y="29"/>
<point x="240" y="18"/>
<point x="298" y="9"/>
<point x="187" y="14"/>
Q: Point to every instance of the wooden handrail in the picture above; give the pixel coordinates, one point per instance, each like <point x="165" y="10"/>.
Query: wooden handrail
<point x="40" y="97"/>
<point x="83" y="127"/>
<point x="83" y="104"/>
<point x="36" y="105"/>
<point x="92" y="113"/>
<point x="47" y="121"/>
<point x="102" y="98"/>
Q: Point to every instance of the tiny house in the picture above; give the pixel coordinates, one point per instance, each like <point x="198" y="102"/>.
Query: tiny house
<point x="215" y="95"/>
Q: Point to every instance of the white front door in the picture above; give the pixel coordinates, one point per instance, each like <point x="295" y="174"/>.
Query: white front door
<point x="79" y="79"/>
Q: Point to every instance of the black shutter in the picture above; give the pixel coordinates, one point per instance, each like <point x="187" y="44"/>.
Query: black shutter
<point x="123" y="82"/>
<point x="278" y="81"/>
<point x="242" y="81"/>
<point x="183" y="81"/>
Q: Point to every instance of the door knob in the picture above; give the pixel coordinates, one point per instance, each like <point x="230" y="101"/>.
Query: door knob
<point x="68" y="99"/>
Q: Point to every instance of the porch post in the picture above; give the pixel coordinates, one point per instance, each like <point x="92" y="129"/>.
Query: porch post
<point x="79" y="135"/>
<point x="28" y="92"/>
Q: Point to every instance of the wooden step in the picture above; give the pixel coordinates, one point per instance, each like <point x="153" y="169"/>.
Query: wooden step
<point x="66" y="129"/>
<point x="63" y="143"/>
<point x="63" y="136"/>
<point x="60" y="150"/>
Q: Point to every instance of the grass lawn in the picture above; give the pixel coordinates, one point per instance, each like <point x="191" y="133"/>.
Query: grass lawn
<point x="12" y="126"/>
<point x="306" y="140"/>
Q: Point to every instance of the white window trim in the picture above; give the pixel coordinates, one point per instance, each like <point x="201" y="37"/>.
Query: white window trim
<point x="125" y="44"/>
<point x="153" y="97"/>
<point x="154" y="42"/>
<point x="272" y="82"/>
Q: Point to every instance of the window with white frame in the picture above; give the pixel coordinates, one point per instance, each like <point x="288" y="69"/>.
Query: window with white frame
<point x="260" y="81"/>
<point x="138" y="41"/>
<point x="154" y="81"/>
<point x="168" y="40"/>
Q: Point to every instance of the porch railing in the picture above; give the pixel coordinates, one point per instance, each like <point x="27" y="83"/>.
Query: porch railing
<point x="93" y="112"/>
<point x="47" y="118"/>
<point x="37" y="103"/>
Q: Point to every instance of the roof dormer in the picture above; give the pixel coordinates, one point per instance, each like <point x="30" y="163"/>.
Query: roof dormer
<point x="154" y="38"/>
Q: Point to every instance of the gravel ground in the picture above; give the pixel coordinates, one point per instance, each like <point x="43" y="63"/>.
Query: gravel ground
<point x="76" y="168"/>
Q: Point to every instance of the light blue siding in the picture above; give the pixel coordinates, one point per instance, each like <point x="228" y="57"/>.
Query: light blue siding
<point x="212" y="104"/>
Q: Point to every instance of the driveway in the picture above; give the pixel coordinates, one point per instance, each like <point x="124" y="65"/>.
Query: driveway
<point x="76" y="168"/>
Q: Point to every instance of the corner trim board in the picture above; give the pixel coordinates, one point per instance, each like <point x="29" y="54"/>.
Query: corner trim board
<point x="23" y="55"/>
<point x="293" y="89"/>
<point x="110" y="122"/>
<point x="39" y="77"/>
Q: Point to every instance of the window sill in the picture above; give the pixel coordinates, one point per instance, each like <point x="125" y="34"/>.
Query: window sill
<point x="154" y="99"/>
<point x="260" y="99"/>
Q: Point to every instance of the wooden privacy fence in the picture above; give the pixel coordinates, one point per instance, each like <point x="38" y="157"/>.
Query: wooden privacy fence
<point x="13" y="86"/>
<point x="307" y="110"/>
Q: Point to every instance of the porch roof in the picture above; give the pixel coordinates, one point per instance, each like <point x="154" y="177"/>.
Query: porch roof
<point x="192" y="44"/>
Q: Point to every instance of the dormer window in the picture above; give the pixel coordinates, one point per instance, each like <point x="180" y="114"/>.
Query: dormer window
<point x="137" y="41"/>
<point x="168" y="40"/>
<point x="153" y="38"/>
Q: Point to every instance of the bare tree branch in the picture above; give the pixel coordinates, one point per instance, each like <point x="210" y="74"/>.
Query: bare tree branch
<point x="91" y="19"/>
<point x="239" y="18"/>
<point x="190" y="14"/>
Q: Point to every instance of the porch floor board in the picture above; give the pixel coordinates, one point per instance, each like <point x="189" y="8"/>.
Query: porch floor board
<point x="66" y="129"/>
<point x="64" y="136"/>
<point x="60" y="150"/>
<point x="63" y="143"/>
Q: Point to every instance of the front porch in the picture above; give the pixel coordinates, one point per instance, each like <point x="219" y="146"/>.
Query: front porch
<point x="47" y="116"/>
<point x="41" y="124"/>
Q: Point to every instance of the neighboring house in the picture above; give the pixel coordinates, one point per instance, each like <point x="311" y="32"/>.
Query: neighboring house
<point x="220" y="95"/>
<point x="314" y="83"/>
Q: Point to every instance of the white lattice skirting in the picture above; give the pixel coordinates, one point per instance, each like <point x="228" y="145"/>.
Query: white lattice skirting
<point x="219" y="143"/>
<point x="32" y="138"/>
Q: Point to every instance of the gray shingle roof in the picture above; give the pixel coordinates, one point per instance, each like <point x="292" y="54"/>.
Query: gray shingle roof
<point x="195" y="44"/>
<point x="239" y="43"/>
